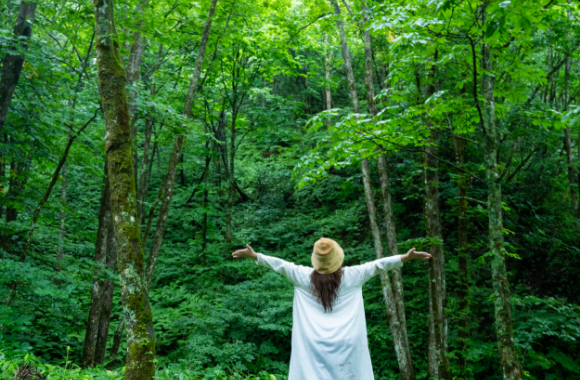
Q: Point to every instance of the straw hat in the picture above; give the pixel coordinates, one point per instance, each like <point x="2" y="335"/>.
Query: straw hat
<point x="327" y="256"/>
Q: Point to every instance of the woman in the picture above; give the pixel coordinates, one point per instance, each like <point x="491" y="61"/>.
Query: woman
<point x="329" y="333"/>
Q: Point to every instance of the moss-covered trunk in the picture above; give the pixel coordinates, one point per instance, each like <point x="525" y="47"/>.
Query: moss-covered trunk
<point x="12" y="62"/>
<point x="503" y="311"/>
<point x="136" y="309"/>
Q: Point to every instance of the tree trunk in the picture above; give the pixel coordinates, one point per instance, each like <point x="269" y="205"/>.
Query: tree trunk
<point x="401" y="345"/>
<point x="572" y="172"/>
<point x="399" y="335"/>
<point x="136" y="309"/>
<point x="199" y="62"/>
<point x="438" y="363"/>
<point x="174" y="158"/>
<point x="205" y="208"/>
<point x="116" y="344"/>
<point x="508" y="356"/>
<point x="463" y="256"/>
<point x="369" y="81"/>
<point x="17" y="182"/>
<point x="346" y="56"/>
<point x="12" y="63"/>
<point x="92" y="332"/>
<point x="62" y="216"/>
<point x="328" y="95"/>
<point x="134" y="63"/>
<point x="107" y="304"/>
<point x="406" y="362"/>
<point x="400" y="320"/>
<point x="232" y="180"/>
<point x="145" y="170"/>
<point x="164" y="210"/>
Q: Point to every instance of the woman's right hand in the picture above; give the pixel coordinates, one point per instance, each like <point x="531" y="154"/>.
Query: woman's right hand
<point x="246" y="252"/>
<point x="414" y="255"/>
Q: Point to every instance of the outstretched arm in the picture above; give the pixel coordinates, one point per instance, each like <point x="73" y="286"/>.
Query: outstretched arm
<point x="414" y="255"/>
<point x="246" y="252"/>
<point x="366" y="271"/>
<point x="296" y="274"/>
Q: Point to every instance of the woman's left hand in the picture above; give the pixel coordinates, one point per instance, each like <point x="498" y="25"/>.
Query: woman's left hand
<point x="414" y="255"/>
<point x="246" y="252"/>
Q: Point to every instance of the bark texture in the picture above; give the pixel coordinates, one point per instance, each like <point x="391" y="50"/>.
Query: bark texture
<point x="92" y="332"/>
<point x="12" y="62"/>
<point x="199" y="62"/>
<point x="508" y="357"/>
<point x="346" y="56"/>
<point x="134" y="63"/>
<point x="463" y="275"/>
<point x="438" y="362"/>
<point x="399" y="338"/>
<point x="107" y="303"/>
<point x="406" y="362"/>
<point x="136" y="308"/>
<point x="328" y="95"/>
<point x="231" y="180"/>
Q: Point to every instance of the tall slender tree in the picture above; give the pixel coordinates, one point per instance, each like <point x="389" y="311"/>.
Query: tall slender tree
<point x="508" y="356"/>
<point x="438" y="360"/>
<point x="399" y="336"/>
<point x="136" y="308"/>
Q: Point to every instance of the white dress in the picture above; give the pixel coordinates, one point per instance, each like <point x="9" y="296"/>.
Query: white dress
<point x="329" y="345"/>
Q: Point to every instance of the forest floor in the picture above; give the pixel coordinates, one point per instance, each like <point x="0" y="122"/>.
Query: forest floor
<point x="30" y="368"/>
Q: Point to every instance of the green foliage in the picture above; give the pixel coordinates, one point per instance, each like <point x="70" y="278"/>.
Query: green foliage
<point x="216" y="318"/>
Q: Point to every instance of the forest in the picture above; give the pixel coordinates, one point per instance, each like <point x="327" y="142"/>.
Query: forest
<point x="141" y="142"/>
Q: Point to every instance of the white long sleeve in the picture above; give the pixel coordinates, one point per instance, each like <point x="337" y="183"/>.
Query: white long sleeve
<point x="298" y="275"/>
<point x="363" y="273"/>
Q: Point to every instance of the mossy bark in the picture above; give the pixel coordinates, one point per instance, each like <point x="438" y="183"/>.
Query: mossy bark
<point x="12" y="62"/>
<point x="136" y="308"/>
<point x="508" y="356"/>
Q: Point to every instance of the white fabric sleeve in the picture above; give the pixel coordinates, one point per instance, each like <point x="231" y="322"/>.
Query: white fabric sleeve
<point x="289" y="270"/>
<point x="363" y="273"/>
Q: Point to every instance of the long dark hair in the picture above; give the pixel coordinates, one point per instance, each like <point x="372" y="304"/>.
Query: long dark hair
<point x="324" y="287"/>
